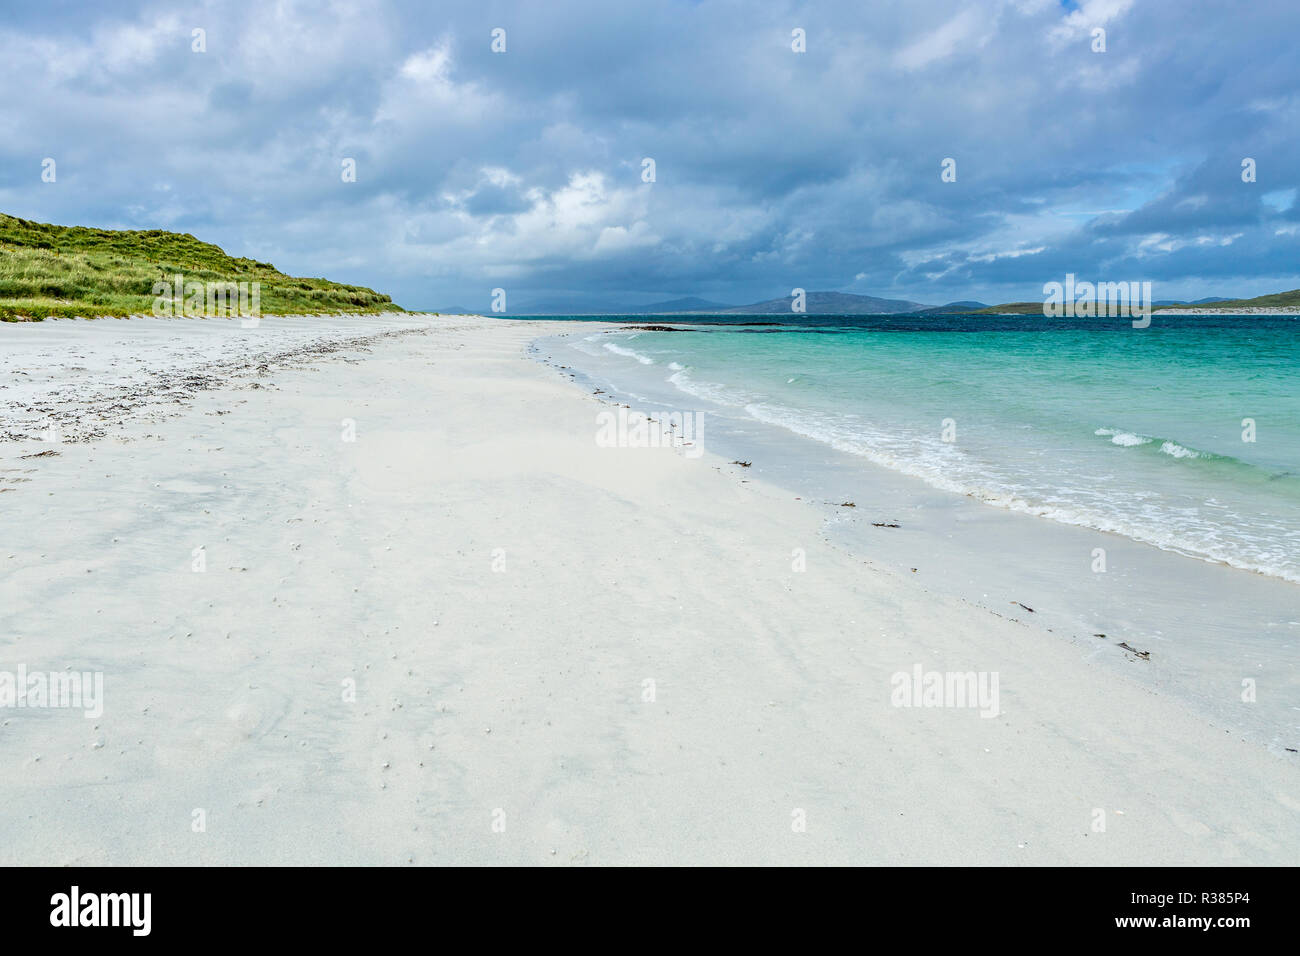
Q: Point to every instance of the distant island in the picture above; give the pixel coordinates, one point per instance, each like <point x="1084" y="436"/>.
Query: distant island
<point x="69" y="271"/>
<point x="1277" y="301"/>
<point x="847" y="303"/>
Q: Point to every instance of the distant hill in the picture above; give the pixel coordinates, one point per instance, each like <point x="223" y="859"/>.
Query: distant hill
<point x="831" y="303"/>
<point x="1012" y="308"/>
<point x="953" y="308"/>
<point x="48" y="270"/>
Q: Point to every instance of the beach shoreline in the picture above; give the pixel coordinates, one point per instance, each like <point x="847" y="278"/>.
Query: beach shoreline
<point x="1177" y="622"/>
<point x="557" y="652"/>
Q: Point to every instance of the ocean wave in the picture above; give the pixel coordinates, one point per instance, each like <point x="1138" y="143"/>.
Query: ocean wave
<point x="710" y="391"/>
<point x="946" y="467"/>
<point x="1126" y="439"/>
<point x="1170" y="447"/>
<point x="932" y="460"/>
<point x="1178" y="451"/>
<point x="629" y="353"/>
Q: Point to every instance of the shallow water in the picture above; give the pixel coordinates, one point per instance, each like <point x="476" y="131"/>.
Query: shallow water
<point x="1096" y="477"/>
<point x="1185" y="435"/>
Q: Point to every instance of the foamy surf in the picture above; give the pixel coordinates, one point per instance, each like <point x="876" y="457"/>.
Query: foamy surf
<point x="629" y="353"/>
<point x="1125" y="439"/>
<point x="947" y="468"/>
<point x="1150" y="473"/>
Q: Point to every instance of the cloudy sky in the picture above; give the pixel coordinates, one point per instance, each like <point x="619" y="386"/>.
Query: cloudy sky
<point x="773" y="169"/>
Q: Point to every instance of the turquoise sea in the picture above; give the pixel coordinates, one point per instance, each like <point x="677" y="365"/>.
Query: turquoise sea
<point x="1184" y="435"/>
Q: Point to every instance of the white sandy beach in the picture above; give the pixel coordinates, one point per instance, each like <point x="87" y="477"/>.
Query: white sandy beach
<point x="561" y="653"/>
<point x="1240" y="310"/>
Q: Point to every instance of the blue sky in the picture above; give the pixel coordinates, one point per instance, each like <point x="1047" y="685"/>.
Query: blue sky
<point x="773" y="169"/>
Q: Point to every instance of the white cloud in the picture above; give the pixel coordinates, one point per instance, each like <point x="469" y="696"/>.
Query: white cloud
<point x="970" y="29"/>
<point x="1079" y="23"/>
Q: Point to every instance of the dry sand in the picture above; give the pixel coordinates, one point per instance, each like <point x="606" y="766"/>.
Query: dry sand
<point x="500" y="590"/>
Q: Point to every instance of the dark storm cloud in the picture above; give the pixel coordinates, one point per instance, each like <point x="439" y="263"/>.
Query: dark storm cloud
<point x="773" y="168"/>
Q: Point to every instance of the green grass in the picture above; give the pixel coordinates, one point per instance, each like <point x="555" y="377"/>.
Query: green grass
<point x="69" y="271"/>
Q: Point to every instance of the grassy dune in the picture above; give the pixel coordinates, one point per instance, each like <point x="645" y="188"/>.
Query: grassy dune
<point x="71" y="271"/>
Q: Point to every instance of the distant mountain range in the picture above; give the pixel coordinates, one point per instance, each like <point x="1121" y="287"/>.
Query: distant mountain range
<point x="825" y="303"/>
<point x="848" y="303"/>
